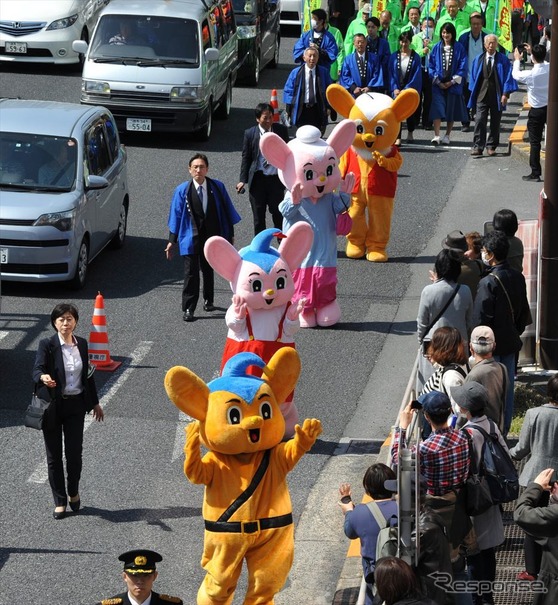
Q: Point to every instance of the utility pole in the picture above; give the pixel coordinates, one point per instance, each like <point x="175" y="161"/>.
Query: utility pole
<point x="548" y="209"/>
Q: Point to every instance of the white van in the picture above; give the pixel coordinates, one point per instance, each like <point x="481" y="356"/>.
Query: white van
<point x="162" y="65"/>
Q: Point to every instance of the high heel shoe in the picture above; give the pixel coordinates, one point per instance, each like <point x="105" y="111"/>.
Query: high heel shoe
<point x="75" y="504"/>
<point x="59" y="514"/>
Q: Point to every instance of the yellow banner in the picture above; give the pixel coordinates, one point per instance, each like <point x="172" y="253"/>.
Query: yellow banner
<point x="503" y="25"/>
<point x="309" y="6"/>
<point x="378" y="6"/>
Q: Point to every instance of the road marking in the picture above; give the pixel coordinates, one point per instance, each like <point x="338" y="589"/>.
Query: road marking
<point x="3" y="334"/>
<point x="106" y="393"/>
<point x="180" y="438"/>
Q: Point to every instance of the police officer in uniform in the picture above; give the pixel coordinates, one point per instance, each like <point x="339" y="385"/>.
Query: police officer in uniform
<point x="139" y="574"/>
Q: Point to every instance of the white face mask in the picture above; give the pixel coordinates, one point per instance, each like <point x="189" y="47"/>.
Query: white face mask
<point x="485" y="258"/>
<point x="313" y="23"/>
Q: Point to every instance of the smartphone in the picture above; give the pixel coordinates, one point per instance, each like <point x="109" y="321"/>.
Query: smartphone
<point x="521" y="48"/>
<point x="416" y="405"/>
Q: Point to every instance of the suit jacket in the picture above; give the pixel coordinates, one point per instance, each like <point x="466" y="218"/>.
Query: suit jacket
<point x="49" y="360"/>
<point x="350" y="74"/>
<point x="505" y="84"/>
<point x="251" y="150"/>
<point x="293" y="92"/>
<point x="182" y="226"/>
<point x="156" y="599"/>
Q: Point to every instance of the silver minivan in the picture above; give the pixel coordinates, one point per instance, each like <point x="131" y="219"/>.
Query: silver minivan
<point x="162" y="66"/>
<point x="63" y="189"/>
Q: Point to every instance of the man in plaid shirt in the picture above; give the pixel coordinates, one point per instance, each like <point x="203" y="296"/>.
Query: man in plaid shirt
<point x="444" y="463"/>
<point x="444" y="455"/>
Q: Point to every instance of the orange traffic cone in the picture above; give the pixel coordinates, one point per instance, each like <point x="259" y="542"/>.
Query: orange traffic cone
<point x="99" y="354"/>
<point x="275" y="105"/>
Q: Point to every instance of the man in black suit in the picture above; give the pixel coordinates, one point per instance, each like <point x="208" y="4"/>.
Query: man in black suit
<point x="139" y="574"/>
<point x="264" y="187"/>
<point x="200" y="208"/>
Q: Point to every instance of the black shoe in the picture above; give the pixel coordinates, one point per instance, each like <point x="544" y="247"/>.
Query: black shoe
<point x="208" y="306"/>
<point x="59" y="515"/>
<point x="465" y="128"/>
<point x="333" y="115"/>
<point x="75" y="506"/>
<point x="532" y="177"/>
<point x="427" y="126"/>
<point x="188" y="315"/>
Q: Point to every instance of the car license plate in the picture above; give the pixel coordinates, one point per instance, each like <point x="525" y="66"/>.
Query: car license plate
<point x="3" y="256"/>
<point x="18" y="48"/>
<point x="143" y="125"/>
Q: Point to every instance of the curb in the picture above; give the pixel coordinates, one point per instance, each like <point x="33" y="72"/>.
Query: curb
<point x="518" y="143"/>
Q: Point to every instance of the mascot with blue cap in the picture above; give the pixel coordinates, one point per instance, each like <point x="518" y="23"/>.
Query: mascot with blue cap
<point x="262" y="318"/>
<point x="247" y="508"/>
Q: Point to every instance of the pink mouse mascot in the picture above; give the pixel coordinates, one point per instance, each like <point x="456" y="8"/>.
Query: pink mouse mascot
<point x="308" y="166"/>
<point x="261" y="318"/>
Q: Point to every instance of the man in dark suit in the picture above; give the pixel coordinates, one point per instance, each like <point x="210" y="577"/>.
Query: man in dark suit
<point x="491" y="86"/>
<point x="139" y="574"/>
<point x="304" y="93"/>
<point x="264" y="187"/>
<point x="361" y="71"/>
<point x="200" y="208"/>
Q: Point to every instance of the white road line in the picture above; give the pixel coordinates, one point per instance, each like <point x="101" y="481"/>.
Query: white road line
<point x="180" y="437"/>
<point x="106" y="393"/>
<point x="3" y="334"/>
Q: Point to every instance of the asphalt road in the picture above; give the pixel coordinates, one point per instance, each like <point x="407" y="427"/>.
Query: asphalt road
<point x="133" y="489"/>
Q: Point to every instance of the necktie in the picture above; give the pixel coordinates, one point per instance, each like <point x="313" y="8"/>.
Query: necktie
<point x="489" y="67"/>
<point x="311" y="92"/>
<point x="200" y="195"/>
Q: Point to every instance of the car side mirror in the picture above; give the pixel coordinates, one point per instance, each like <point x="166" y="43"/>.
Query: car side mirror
<point x="211" y="54"/>
<point x="79" y="46"/>
<point x="95" y="182"/>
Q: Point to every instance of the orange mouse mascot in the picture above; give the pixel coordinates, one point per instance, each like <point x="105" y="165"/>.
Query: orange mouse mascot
<point x="247" y="508"/>
<point x="374" y="160"/>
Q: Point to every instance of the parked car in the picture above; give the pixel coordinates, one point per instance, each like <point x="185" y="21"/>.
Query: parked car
<point x="162" y="66"/>
<point x="259" y="37"/>
<point x="64" y="189"/>
<point x="291" y="12"/>
<point x="42" y="31"/>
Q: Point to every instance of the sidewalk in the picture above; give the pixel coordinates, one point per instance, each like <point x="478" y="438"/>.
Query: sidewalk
<point x="500" y="188"/>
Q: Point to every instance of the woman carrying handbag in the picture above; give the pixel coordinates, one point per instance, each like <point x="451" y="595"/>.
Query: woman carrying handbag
<point x="61" y="373"/>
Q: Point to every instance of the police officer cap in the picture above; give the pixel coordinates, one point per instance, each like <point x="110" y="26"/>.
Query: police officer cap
<point x="140" y="561"/>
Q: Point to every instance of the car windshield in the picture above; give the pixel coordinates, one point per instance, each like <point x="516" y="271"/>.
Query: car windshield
<point x="37" y="162"/>
<point x="147" y="41"/>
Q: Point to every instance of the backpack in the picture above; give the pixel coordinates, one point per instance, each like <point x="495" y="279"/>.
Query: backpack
<point x="497" y="467"/>
<point x="387" y="543"/>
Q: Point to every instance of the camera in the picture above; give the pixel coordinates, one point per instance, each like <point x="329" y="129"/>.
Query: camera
<point x="521" y="48"/>
<point x="241" y="191"/>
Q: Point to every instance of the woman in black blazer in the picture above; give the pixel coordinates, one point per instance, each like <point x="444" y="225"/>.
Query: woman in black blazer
<point x="61" y="374"/>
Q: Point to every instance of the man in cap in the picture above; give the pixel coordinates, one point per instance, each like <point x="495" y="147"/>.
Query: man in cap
<point x="488" y="372"/>
<point x="470" y="272"/>
<point x="139" y="574"/>
<point x="444" y="462"/>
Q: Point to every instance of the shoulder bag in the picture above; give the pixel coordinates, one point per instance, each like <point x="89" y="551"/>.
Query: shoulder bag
<point x="478" y="498"/>
<point x="35" y="413"/>
<point x="344" y="222"/>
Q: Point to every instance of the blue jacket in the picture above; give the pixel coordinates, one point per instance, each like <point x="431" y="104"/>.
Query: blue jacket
<point x="414" y="73"/>
<point x="328" y="49"/>
<point x="184" y="227"/>
<point x="464" y="39"/>
<point x="294" y="87"/>
<point x="458" y="66"/>
<point x="350" y="75"/>
<point x="506" y="84"/>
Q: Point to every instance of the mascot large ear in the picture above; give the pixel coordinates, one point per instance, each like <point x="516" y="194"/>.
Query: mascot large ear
<point x="340" y="99"/>
<point x="342" y="136"/>
<point x="275" y="150"/>
<point x="222" y="256"/>
<point x="282" y="372"/>
<point x="188" y="392"/>
<point x="405" y="104"/>
<point x="296" y="245"/>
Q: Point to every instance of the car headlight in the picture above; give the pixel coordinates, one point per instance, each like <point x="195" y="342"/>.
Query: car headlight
<point x="184" y="94"/>
<point x="94" y="87"/>
<point x="63" y="23"/>
<point x="246" y="31"/>
<point x="64" y="221"/>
